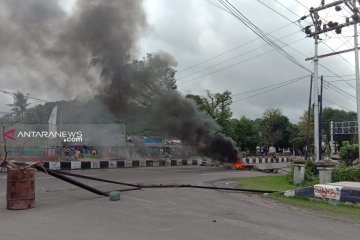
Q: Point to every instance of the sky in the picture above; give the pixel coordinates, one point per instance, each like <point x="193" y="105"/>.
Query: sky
<point x="216" y="52"/>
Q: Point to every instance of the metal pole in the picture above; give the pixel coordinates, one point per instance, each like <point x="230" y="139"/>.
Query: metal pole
<point x="357" y="75"/>
<point x="316" y="101"/>
<point x="308" y="121"/>
<point x="320" y="117"/>
<point x="332" y="146"/>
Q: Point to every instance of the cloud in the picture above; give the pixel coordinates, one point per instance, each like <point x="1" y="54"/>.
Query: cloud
<point x="36" y="56"/>
<point x="194" y="31"/>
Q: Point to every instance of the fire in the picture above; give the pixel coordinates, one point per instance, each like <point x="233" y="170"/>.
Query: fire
<point x="238" y="164"/>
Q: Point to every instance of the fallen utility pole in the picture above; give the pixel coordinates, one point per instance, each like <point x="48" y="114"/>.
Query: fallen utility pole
<point x="69" y="180"/>
<point x="98" y="179"/>
<point x="60" y="175"/>
<point x="207" y="187"/>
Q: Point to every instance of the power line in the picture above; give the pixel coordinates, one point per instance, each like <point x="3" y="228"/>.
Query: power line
<point x="286" y="7"/>
<point x="233" y="65"/>
<point x="270" y="90"/>
<point x="13" y="93"/>
<point x="339" y="90"/>
<point x="276" y="11"/>
<point x="337" y="104"/>
<point x="347" y="80"/>
<point x="228" y="51"/>
<point x="217" y="5"/>
<point x="324" y="44"/>
<point x="272" y="85"/>
<point x="347" y="75"/>
<point x="232" y="58"/>
<point x="241" y="17"/>
<point x="232" y="49"/>
<point x="302" y="4"/>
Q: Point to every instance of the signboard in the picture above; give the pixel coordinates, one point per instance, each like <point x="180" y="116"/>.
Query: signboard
<point x="327" y="191"/>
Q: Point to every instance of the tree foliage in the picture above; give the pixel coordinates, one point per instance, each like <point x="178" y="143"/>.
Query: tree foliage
<point x="19" y="106"/>
<point x="335" y="115"/>
<point x="38" y="114"/>
<point x="276" y="129"/>
<point x="217" y="105"/>
<point x="349" y="152"/>
<point x="245" y="132"/>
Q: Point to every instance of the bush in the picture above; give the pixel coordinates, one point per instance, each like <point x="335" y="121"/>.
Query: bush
<point x="310" y="171"/>
<point x="348" y="152"/>
<point x="346" y="174"/>
<point x="244" y="154"/>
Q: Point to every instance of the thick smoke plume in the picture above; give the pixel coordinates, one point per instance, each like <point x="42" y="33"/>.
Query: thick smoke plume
<point x="180" y="117"/>
<point x="45" y="49"/>
<point x="89" y="52"/>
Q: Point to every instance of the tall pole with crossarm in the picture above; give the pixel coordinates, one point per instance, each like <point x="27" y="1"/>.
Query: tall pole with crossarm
<point x="320" y="28"/>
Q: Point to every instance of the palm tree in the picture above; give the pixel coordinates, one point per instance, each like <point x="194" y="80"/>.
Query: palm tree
<point x="20" y="104"/>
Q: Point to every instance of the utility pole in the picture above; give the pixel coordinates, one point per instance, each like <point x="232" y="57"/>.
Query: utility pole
<point x="308" y="121"/>
<point x="320" y="28"/>
<point x="320" y="98"/>
<point x="355" y="11"/>
<point x="316" y="100"/>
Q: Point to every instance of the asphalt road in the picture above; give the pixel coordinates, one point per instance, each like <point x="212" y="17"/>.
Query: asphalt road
<point x="66" y="212"/>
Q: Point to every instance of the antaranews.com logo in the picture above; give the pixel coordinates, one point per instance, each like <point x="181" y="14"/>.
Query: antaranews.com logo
<point x="65" y="136"/>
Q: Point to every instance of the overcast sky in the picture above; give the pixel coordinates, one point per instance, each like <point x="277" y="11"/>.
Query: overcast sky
<point x="216" y="52"/>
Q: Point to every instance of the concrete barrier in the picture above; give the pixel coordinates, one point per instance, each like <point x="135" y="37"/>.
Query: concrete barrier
<point x="339" y="191"/>
<point x="105" y="164"/>
<point x="259" y="163"/>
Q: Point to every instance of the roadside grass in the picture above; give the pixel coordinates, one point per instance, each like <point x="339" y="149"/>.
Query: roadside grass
<point x="323" y="206"/>
<point x="281" y="183"/>
<point x="273" y="183"/>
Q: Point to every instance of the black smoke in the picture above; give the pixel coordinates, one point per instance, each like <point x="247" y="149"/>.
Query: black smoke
<point x="90" y="52"/>
<point x="180" y="117"/>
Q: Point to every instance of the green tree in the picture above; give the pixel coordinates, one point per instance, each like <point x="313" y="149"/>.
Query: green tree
<point x="38" y="114"/>
<point x="20" y="104"/>
<point x="275" y="128"/>
<point x="336" y="115"/>
<point x="303" y="130"/>
<point x="217" y="106"/>
<point x="245" y="132"/>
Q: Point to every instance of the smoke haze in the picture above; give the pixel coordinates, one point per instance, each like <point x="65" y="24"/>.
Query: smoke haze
<point x="89" y="53"/>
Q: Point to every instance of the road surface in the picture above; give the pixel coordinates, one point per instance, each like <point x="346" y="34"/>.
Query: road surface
<point x="66" y="212"/>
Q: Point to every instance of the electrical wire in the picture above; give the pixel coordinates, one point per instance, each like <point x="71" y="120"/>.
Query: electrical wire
<point x="217" y="5"/>
<point x="228" y="51"/>
<point x="235" y="64"/>
<point x="347" y="80"/>
<point x="232" y="58"/>
<point x="324" y="44"/>
<point x="242" y="18"/>
<point x="301" y="4"/>
<point x="269" y="86"/>
<point x="339" y="90"/>
<point x="272" y="9"/>
<point x="337" y="104"/>
<point x="270" y="90"/>
<point x="347" y="75"/>
<point x="286" y="7"/>
<point x="33" y="98"/>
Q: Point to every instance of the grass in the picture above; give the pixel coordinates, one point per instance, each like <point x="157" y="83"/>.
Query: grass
<point x="274" y="183"/>
<point x="327" y="207"/>
<point x="281" y="183"/>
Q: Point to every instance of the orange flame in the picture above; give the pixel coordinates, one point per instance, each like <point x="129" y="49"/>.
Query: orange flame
<point x="238" y="164"/>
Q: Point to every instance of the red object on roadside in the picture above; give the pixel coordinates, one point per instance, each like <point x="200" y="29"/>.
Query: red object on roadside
<point x="20" y="192"/>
